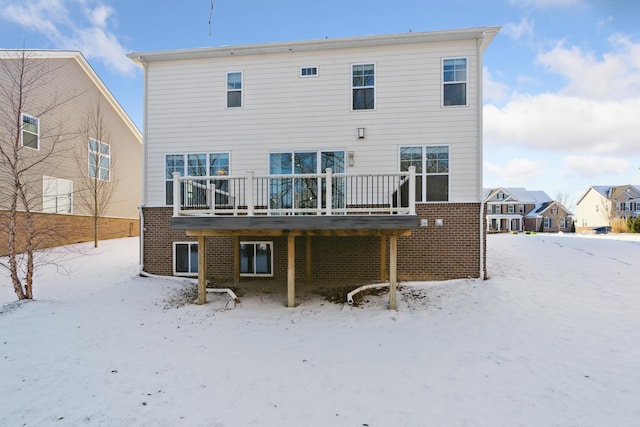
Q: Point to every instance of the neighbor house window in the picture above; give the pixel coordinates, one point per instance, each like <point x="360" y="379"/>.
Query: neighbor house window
<point x="30" y="132"/>
<point x="234" y="89"/>
<point x="521" y="208"/>
<point x="99" y="159"/>
<point x="454" y="81"/>
<point x="195" y="164"/>
<point x="500" y="196"/>
<point x="56" y="195"/>
<point x="363" y="86"/>
<point x="432" y="171"/>
<point x="256" y="258"/>
<point x="547" y="222"/>
<point x="185" y="258"/>
<point x="511" y="209"/>
<point x="308" y="71"/>
<point x="563" y="222"/>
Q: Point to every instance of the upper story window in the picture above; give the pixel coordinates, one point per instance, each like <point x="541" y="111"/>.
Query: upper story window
<point x="521" y="208"/>
<point x="99" y="159"/>
<point x="432" y="171"/>
<point x="308" y="71"/>
<point x="363" y="86"/>
<point x="196" y="164"/>
<point x="234" y="89"/>
<point x="56" y="195"/>
<point x="454" y="81"/>
<point x="500" y="196"/>
<point x="511" y="208"/>
<point x="30" y="132"/>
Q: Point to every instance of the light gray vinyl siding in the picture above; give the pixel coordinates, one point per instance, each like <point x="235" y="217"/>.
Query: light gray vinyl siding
<point x="186" y="111"/>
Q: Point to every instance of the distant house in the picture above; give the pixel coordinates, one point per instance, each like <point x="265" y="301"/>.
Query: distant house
<point x="601" y="204"/>
<point x="517" y="209"/>
<point x="357" y="158"/>
<point x="61" y="97"/>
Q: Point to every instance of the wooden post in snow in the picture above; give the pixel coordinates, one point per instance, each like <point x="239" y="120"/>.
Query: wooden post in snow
<point x="393" y="258"/>
<point x="291" y="270"/>
<point x="202" y="269"/>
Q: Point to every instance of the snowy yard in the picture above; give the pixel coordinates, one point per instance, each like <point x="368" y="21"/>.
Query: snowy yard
<point x="552" y="338"/>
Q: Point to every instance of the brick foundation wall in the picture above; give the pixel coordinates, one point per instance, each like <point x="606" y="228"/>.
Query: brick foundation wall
<point x="450" y="251"/>
<point x="56" y="229"/>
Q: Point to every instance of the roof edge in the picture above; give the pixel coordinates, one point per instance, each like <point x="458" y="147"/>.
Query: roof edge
<point x="484" y="34"/>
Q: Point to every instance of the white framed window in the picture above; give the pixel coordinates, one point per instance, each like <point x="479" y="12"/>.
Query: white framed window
<point x="30" y="132"/>
<point x="511" y="209"/>
<point x="234" y="89"/>
<point x="287" y="193"/>
<point x="500" y="196"/>
<point x="99" y="160"/>
<point x="520" y="208"/>
<point x="554" y="211"/>
<point x="256" y="259"/>
<point x="432" y="171"/>
<point x="454" y="81"/>
<point x="363" y="96"/>
<point x="57" y="195"/>
<point x="185" y="258"/>
<point x="309" y="71"/>
<point x="195" y="164"/>
<point x="547" y="222"/>
<point x="563" y="222"/>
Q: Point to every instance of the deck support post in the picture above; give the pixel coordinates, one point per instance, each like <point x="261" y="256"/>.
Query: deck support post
<point x="393" y="258"/>
<point x="236" y="260"/>
<point x="308" y="258"/>
<point x="202" y="269"/>
<point x="291" y="270"/>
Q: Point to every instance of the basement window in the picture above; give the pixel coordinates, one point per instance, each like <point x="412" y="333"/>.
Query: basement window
<point x="185" y="258"/>
<point x="256" y="259"/>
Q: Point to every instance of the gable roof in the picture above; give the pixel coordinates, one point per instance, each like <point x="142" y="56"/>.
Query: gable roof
<point x="609" y="191"/>
<point x="518" y="194"/>
<point x="88" y="70"/>
<point x="483" y="34"/>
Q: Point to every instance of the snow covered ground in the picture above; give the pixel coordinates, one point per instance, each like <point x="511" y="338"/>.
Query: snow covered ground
<point x="552" y="338"/>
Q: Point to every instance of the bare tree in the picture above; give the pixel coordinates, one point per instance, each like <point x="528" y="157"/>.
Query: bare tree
<point x="25" y="148"/>
<point x="96" y="168"/>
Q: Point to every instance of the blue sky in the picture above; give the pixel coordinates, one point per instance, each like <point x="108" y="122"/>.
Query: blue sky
<point x="562" y="78"/>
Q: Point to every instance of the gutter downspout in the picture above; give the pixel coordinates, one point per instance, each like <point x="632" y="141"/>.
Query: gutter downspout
<point x="480" y="128"/>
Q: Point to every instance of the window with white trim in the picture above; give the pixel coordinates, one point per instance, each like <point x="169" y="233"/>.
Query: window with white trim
<point x="234" y="89"/>
<point x="564" y="222"/>
<point x="99" y="159"/>
<point x="57" y="195"/>
<point x="432" y="171"/>
<point x="185" y="258"/>
<point x="195" y="164"/>
<point x="30" y="132"/>
<point x="256" y="259"/>
<point x="521" y="208"/>
<point x="547" y="222"/>
<point x="363" y="87"/>
<point x="511" y="209"/>
<point x="308" y="71"/>
<point x="302" y="193"/>
<point x="454" y="81"/>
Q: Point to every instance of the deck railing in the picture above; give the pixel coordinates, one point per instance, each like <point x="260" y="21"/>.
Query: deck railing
<point x="305" y="194"/>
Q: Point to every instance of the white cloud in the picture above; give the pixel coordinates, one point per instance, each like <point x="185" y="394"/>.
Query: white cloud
<point x="596" y="112"/>
<point x="615" y="76"/>
<point x="545" y="3"/>
<point x="595" y="166"/>
<point x="85" y="28"/>
<point x="516" y="171"/>
<point x="493" y="90"/>
<point x="518" y="31"/>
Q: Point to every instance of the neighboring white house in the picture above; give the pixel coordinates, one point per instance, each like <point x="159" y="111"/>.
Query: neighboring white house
<point x="600" y="204"/>
<point x="314" y="141"/>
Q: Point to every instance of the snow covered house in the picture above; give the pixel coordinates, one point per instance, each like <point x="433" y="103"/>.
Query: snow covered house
<point x="66" y="129"/>
<point x="517" y="209"/>
<point x="354" y="158"/>
<point x="601" y="204"/>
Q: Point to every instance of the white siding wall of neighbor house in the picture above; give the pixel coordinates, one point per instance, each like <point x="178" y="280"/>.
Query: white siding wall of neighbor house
<point x="592" y="209"/>
<point x="186" y="111"/>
